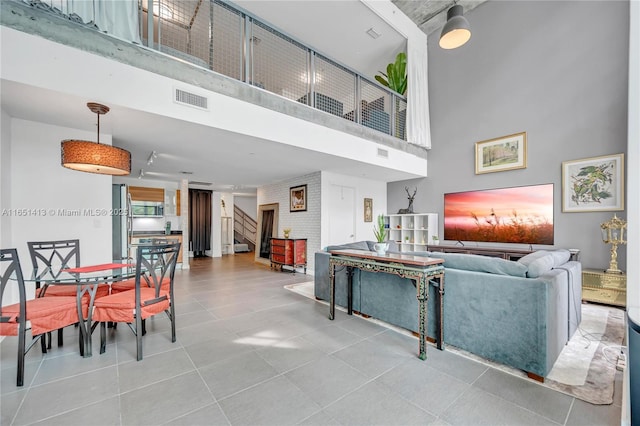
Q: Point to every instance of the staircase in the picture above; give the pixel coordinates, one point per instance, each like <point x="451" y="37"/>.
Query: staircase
<point x="244" y="228"/>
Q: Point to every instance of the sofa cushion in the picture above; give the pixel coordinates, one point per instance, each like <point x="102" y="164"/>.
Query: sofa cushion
<point x="531" y="257"/>
<point x="358" y="245"/>
<point x="543" y="261"/>
<point x="477" y="263"/>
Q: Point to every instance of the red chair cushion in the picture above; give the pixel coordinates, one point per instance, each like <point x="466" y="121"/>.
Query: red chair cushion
<point x="120" y="307"/>
<point x="70" y="291"/>
<point x="45" y="313"/>
<point x="127" y="285"/>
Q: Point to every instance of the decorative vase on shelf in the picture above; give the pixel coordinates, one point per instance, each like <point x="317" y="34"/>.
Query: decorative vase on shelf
<point x="381" y="248"/>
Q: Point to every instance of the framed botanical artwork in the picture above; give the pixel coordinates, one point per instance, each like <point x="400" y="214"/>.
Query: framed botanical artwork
<point x="593" y="184"/>
<point x="503" y="153"/>
<point x="298" y="198"/>
<point x="368" y="209"/>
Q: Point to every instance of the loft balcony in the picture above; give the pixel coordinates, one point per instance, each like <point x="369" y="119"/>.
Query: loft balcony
<point x="230" y="54"/>
<point x="214" y="35"/>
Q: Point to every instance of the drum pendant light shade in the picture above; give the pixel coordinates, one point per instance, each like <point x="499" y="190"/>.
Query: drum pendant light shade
<point x="94" y="157"/>
<point x="456" y="31"/>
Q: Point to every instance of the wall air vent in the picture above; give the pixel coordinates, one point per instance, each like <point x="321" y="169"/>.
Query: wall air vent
<point x="191" y="99"/>
<point x="195" y="182"/>
<point x="383" y="153"/>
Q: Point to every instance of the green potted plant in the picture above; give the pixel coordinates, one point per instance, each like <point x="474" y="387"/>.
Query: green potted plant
<point x="435" y="239"/>
<point x="380" y="232"/>
<point x="396" y="76"/>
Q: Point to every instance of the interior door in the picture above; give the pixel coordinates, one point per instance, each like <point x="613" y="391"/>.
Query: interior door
<point x="342" y="214"/>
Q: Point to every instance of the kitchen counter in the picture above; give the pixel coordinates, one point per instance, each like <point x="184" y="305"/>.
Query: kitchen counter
<point x="153" y="233"/>
<point x="136" y="236"/>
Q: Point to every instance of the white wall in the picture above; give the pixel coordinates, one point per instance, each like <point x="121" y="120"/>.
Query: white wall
<point x="633" y="202"/>
<point x="5" y="175"/>
<point x="45" y="189"/>
<point x="303" y="224"/>
<point x="364" y="188"/>
<point x="216" y="223"/>
<point x="249" y="204"/>
<point x="633" y="159"/>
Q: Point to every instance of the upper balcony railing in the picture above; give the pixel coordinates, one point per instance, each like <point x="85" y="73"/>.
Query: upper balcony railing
<point x="216" y="36"/>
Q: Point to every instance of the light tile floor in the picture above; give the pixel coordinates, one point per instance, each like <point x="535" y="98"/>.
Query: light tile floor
<point x="250" y="352"/>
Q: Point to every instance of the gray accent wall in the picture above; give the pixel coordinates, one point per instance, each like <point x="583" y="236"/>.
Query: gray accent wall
<point x="556" y="70"/>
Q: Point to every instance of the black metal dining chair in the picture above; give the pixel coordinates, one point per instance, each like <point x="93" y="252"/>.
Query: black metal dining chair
<point x="41" y="315"/>
<point x="155" y="268"/>
<point x="49" y="259"/>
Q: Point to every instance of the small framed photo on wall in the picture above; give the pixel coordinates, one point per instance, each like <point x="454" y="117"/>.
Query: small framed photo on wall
<point x="368" y="209"/>
<point x="298" y="198"/>
<point x="503" y="153"/>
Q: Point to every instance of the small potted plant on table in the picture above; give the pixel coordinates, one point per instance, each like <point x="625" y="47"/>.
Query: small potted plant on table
<point x="380" y="232"/>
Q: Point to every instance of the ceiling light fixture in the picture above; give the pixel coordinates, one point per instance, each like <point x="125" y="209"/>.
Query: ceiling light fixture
<point x="141" y="175"/>
<point x="456" y="31"/>
<point x="152" y="157"/>
<point x="94" y="157"/>
<point x="373" y="33"/>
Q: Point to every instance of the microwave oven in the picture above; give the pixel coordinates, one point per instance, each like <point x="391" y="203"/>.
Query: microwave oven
<point x="147" y="209"/>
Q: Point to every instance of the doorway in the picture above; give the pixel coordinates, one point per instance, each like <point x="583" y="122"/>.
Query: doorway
<point x="267" y="227"/>
<point x="342" y="214"/>
<point x="200" y="221"/>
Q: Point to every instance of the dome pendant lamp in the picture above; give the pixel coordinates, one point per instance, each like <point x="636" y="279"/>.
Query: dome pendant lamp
<point x="456" y="31"/>
<point x="94" y="157"/>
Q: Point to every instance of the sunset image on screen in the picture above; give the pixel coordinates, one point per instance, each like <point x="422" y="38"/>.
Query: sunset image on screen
<point x="510" y="215"/>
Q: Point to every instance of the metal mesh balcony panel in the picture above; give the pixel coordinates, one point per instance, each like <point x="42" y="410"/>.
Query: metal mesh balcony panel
<point x="279" y="64"/>
<point x="375" y="110"/>
<point x="400" y="118"/>
<point x="335" y="88"/>
<point x="226" y="43"/>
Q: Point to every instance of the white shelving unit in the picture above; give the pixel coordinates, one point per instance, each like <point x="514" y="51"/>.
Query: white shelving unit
<point x="412" y="232"/>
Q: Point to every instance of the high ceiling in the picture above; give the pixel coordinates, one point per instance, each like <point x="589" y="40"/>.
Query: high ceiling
<point x="336" y="29"/>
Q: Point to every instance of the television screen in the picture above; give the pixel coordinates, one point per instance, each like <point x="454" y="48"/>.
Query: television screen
<point x="521" y="214"/>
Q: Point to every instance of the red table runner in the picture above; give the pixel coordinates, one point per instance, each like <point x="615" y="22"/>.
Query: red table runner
<point x="94" y="268"/>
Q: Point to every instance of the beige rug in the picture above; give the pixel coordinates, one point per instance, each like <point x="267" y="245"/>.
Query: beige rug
<point x="585" y="369"/>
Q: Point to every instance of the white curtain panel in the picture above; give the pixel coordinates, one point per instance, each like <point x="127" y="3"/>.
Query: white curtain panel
<point x="116" y="17"/>
<point x="418" y="123"/>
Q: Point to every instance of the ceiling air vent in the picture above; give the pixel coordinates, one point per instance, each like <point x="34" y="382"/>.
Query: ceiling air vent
<point x="195" y="182"/>
<point x="190" y="99"/>
<point x="383" y="153"/>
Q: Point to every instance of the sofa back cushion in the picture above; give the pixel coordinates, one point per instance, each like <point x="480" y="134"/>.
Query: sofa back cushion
<point x="477" y="263"/>
<point x="358" y="245"/>
<point x="542" y="261"/>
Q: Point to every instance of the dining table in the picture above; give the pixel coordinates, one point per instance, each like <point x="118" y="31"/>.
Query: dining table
<point x="86" y="279"/>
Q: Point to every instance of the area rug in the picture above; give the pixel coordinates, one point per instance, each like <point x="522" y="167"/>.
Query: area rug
<point x="585" y="369"/>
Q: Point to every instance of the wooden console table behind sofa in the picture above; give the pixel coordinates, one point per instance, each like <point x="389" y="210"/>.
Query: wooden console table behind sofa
<point x="504" y="253"/>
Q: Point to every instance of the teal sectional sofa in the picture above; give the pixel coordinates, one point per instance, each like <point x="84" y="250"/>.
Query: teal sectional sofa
<point x="520" y="314"/>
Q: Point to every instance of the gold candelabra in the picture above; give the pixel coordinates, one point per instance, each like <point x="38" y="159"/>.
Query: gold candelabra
<point x="613" y="233"/>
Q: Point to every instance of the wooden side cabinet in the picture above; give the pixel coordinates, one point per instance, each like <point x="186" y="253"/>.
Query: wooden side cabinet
<point x="600" y="287"/>
<point x="289" y="252"/>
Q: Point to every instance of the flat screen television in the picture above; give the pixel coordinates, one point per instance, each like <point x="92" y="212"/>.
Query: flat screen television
<point x="522" y="214"/>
